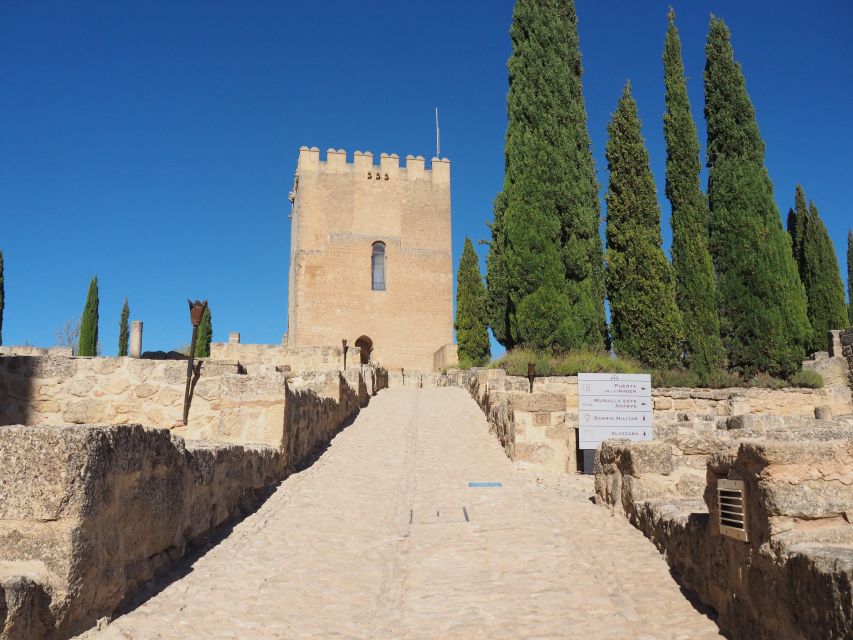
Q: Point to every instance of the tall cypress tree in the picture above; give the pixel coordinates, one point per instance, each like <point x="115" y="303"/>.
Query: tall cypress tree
<point x="827" y="308"/>
<point x="2" y="297"/>
<point x="547" y="242"/>
<point x="761" y="301"/>
<point x="88" y="345"/>
<point x="691" y="259"/>
<point x="205" y="335"/>
<point x="850" y="276"/>
<point x="645" y="319"/>
<point x="471" y="334"/>
<point x="124" y="329"/>
<point x="497" y="287"/>
<point x="797" y="218"/>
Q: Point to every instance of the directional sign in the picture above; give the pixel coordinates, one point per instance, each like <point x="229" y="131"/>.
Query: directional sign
<point x="614" y="406"/>
<point x="591" y="438"/>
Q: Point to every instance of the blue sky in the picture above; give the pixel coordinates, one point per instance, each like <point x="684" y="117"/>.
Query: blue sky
<point x="154" y="143"/>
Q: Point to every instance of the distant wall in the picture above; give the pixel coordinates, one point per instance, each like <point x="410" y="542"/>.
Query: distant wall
<point x="257" y="357"/>
<point x="445" y="358"/>
<point x="540" y="427"/>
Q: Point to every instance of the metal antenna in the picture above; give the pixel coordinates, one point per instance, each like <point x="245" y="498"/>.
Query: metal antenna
<point x="437" y="136"/>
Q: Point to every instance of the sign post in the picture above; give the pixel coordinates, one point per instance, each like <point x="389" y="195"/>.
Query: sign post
<point x="612" y="405"/>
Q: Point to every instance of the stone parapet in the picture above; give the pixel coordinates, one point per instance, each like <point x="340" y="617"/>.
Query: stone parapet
<point x="791" y="579"/>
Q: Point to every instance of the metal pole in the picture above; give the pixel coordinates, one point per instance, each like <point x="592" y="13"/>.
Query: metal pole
<point x="531" y="373"/>
<point x="197" y="309"/>
<point x="189" y="374"/>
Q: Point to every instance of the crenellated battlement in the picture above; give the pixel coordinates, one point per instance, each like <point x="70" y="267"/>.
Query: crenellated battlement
<point x="388" y="167"/>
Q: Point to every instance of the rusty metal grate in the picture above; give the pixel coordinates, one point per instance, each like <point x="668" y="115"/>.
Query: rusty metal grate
<point x="732" y="509"/>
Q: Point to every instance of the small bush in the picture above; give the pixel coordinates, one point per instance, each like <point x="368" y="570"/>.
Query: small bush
<point x="566" y="364"/>
<point x="674" y="378"/>
<point x="766" y="381"/>
<point x="807" y="378"/>
<point x="723" y="379"/>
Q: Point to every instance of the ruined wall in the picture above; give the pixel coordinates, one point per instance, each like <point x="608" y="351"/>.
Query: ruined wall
<point x="88" y="513"/>
<point x="793" y="578"/>
<point x="540" y="427"/>
<point x="259" y="357"/>
<point x="340" y="210"/>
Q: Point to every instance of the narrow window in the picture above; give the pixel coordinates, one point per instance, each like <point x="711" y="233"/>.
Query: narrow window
<point x="377" y="266"/>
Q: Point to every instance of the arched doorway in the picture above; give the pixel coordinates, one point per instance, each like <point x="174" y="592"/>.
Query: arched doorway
<point x="365" y="345"/>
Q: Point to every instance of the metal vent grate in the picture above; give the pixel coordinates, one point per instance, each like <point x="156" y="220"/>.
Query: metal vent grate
<point x="732" y="511"/>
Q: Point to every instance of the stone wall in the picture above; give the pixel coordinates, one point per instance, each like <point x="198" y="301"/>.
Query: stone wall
<point x="519" y="417"/>
<point x="90" y="512"/>
<point x="845" y="341"/>
<point x="793" y="577"/>
<point x="445" y="358"/>
<point x="261" y="357"/>
<point x="78" y="390"/>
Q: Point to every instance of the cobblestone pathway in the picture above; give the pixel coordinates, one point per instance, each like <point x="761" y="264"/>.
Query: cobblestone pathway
<point x="352" y="548"/>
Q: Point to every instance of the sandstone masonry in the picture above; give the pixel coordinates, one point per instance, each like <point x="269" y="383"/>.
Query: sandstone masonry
<point x="370" y="258"/>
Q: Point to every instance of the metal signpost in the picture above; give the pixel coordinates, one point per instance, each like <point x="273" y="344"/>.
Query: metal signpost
<point x="612" y="405"/>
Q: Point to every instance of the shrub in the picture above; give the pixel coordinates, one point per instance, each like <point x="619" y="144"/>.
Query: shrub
<point x="807" y="378"/>
<point x="566" y="364"/>
<point x="723" y="379"/>
<point x="675" y="378"/>
<point x="763" y="380"/>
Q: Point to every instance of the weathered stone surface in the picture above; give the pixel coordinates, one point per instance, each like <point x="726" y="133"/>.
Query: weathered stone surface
<point x="102" y="509"/>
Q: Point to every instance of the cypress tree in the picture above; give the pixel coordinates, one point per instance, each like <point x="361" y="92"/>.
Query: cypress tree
<point x="205" y="335"/>
<point x="646" y="323"/>
<point x="123" y="329"/>
<point x="691" y="259"/>
<point x="760" y="299"/>
<point x="471" y="334"/>
<point x="822" y="278"/>
<point x="797" y="218"/>
<point x="850" y="277"/>
<point x="88" y="345"/>
<point x="2" y="297"/>
<point x="548" y="242"/>
<point x="497" y="287"/>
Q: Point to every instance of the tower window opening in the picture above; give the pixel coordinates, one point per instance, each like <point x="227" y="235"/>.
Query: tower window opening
<point x="377" y="266"/>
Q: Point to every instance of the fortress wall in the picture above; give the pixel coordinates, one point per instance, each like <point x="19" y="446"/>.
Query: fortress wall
<point x="540" y="427"/>
<point x="259" y="357"/>
<point x="90" y="512"/>
<point x="792" y="578"/>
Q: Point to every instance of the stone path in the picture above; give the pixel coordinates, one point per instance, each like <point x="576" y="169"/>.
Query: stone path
<point x="372" y="542"/>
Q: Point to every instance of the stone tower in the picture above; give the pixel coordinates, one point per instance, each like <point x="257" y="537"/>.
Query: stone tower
<point x="370" y="258"/>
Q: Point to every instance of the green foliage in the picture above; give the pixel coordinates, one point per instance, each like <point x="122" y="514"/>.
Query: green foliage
<point x="565" y="364"/>
<point x="850" y="277"/>
<point x="547" y="242"/>
<point x="763" y="380"/>
<point x="124" y="329"/>
<point x="691" y="259"/>
<point x="471" y="333"/>
<point x="723" y="379"/>
<point x="2" y="297"/>
<point x="89" y="322"/>
<point x="497" y="286"/>
<point x="797" y="218"/>
<point x="646" y="323"/>
<point x="675" y="377"/>
<point x="808" y="378"/>
<point x="205" y="335"/>
<point x="819" y="273"/>
<point x="761" y="301"/>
